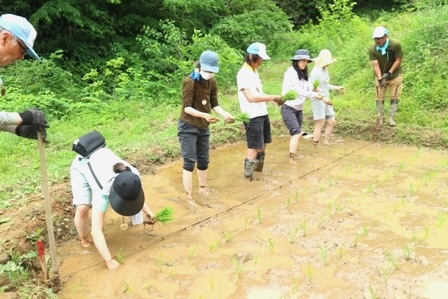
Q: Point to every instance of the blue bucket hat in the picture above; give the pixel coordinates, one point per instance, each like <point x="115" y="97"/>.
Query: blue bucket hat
<point x="302" y="54"/>
<point x="209" y="61"/>
<point x="22" y="29"/>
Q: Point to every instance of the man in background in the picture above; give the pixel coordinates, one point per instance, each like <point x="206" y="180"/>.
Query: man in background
<point x="386" y="56"/>
<point x="17" y="37"/>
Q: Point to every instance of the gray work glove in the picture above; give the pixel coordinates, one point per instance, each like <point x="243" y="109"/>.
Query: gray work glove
<point x="387" y="75"/>
<point x="35" y="117"/>
<point x="30" y="132"/>
<point x="382" y="82"/>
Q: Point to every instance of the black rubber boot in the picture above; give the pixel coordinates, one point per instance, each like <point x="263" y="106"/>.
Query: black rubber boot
<point x="259" y="163"/>
<point x="248" y="168"/>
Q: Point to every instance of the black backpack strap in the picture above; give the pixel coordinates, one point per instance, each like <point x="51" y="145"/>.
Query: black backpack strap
<point x="94" y="176"/>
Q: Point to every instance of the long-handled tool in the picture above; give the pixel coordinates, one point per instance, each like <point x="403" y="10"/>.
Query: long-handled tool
<point x="56" y="283"/>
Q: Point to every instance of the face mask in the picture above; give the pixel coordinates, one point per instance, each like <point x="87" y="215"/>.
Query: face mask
<point x="205" y="75"/>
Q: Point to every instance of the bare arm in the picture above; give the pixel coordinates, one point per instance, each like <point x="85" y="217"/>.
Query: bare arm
<point x="258" y="97"/>
<point x="199" y="114"/>
<point x="396" y="65"/>
<point x="227" y="116"/>
<point x="376" y="69"/>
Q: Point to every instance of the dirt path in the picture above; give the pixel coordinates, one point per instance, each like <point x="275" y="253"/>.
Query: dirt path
<point x="353" y="220"/>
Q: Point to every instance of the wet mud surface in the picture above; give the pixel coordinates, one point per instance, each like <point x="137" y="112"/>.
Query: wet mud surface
<point x="350" y="220"/>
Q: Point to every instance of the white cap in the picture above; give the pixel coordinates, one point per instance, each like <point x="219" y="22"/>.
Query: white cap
<point x="259" y="49"/>
<point x="22" y="29"/>
<point x="379" y="32"/>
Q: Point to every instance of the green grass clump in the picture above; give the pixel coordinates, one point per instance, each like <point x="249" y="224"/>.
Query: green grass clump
<point x="290" y="95"/>
<point x="165" y="215"/>
<point x="242" y="117"/>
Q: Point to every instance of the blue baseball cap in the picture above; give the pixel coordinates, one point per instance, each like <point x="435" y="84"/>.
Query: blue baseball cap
<point x="259" y="49"/>
<point x="209" y="61"/>
<point x="22" y="29"/>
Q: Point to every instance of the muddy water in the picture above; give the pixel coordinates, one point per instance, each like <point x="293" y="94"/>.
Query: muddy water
<point x="350" y="220"/>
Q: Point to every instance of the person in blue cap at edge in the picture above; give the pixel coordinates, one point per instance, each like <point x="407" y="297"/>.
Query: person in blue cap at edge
<point x="252" y="101"/>
<point x="17" y="37"/>
<point x="199" y="98"/>
<point x="386" y="56"/>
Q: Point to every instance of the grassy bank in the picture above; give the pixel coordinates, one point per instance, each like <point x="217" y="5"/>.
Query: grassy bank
<point x="147" y="136"/>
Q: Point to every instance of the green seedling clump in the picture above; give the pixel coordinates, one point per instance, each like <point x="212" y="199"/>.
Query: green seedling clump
<point x="243" y="117"/>
<point x="315" y="84"/>
<point x="165" y="215"/>
<point x="290" y="95"/>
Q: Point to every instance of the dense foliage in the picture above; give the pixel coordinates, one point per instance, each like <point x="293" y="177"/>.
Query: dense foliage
<point x="117" y="66"/>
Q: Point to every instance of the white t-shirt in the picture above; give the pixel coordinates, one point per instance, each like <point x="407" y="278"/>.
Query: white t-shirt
<point x="247" y="78"/>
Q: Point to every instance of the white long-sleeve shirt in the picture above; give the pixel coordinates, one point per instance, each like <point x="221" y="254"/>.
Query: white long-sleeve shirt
<point x="303" y="88"/>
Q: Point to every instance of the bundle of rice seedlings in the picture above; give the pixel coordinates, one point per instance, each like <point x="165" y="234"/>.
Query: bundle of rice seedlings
<point x="164" y="216"/>
<point x="290" y="95"/>
<point x="242" y="117"/>
<point x="315" y="84"/>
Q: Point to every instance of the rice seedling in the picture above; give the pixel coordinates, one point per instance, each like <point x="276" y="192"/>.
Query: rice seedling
<point x="259" y="215"/>
<point x="165" y="215"/>
<point x="212" y="283"/>
<point x="374" y="294"/>
<point x="348" y="170"/>
<point x="244" y="117"/>
<point x="330" y="209"/>
<point x="126" y="288"/>
<point x="271" y="245"/>
<point x="214" y="246"/>
<point x="295" y="289"/>
<point x="426" y="235"/>
<point x="191" y="252"/>
<point x="415" y="239"/>
<point x="340" y="251"/>
<point x="323" y="253"/>
<point x="228" y="236"/>
<point x="293" y="235"/>
<point x="246" y="221"/>
<point x="309" y="272"/>
<point x="304" y="227"/>
<point x="238" y="266"/>
<point x="316" y="84"/>
<point x="120" y="255"/>
<point x="407" y="250"/>
<point x="160" y="263"/>
<point x="441" y="218"/>
<point x="288" y="202"/>
<point x="392" y="259"/>
<point x="365" y="231"/>
<point x="355" y="242"/>
<point x="296" y="197"/>
<point x="385" y="273"/>
<point x="290" y="95"/>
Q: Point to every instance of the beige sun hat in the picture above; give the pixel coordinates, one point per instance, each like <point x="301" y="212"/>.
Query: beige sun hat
<point x="325" y="58"/>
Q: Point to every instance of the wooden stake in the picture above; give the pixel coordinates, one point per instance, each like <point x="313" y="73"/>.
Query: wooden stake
<point x="48" y="214"/>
